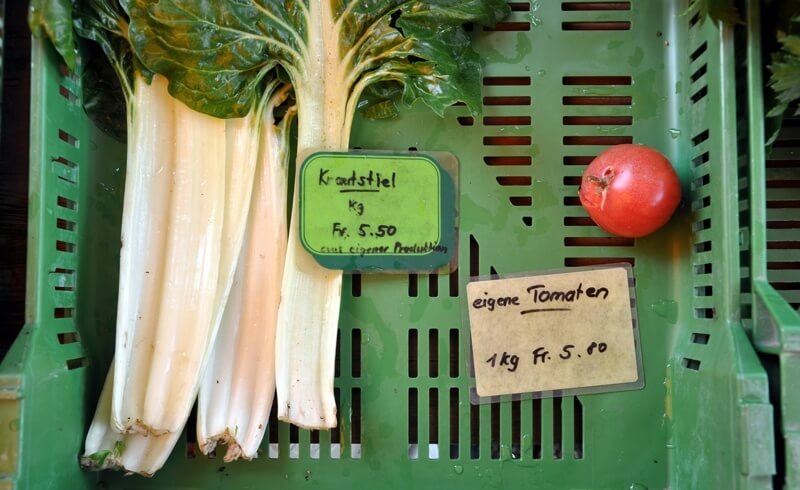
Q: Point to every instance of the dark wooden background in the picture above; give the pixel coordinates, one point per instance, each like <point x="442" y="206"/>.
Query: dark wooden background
<point x="14" y="132"/>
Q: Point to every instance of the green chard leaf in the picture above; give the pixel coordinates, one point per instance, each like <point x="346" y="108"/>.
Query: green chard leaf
<point x="785" y="73"/>
<point x="53" y="18"/>
<point x="719" y="11"/>
<point x="216" y="53"/>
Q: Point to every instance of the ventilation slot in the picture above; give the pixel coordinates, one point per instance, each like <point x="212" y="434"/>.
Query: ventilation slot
<point x="699" y="95"/>
<point x="509" y="26"/>
<point x="63" y="246"/>
<point x="698" y="74"/>
<point x="589" y="6"/>
<point x="66" y="203"/>
<point x="454" y="423"/>
<point x="537" y="428"/>
<point x="413" y="421"/>
<point x="692" y="364"/>
<point x="521" y="200"/>
<point x="336" y="433"/>
<point x="558" y="443"/>
<point x="68" y="138"/>
<point x="506" y="81"/>
<point x="596" y="26"/>
<point x="516" y="436"/>
<point x="577" y="160"/>
<point x="702" y="269"/>
<point x="465" y="120"/>
<point x="64" y="224"/>
<point x="77" y="363"/>
<point x="700" y="160"/>
<point x="694" y="19"/>
<point x="596" y="80"/>
<point x="433" y="423"/>
<point x="514" y="180"/>
<point x="273" y="450"/>
<point x="68" y="338"/>
<point x="355" y="285"/>
<point x="509" y="161"/>
<point x="506" y="140"/>
<point x="700" y="338"/>
<point x="579" y="221"/>
<point x="698" y="52"/>
<point x="703" y="136"/>
<point x="507" y="121"/>
<point x="63" y="312"/>
<point x="433" y="353"/>
<point x="413" y="285"/>
<point x="520" y="6"/>
<point x="413" y="353"/>
<point x="703" y="291"/>
<point x="355" y="352"/>
<point x="355" y="424"/>
<point x="494" y="431"/>
<point x="597" y="120"/>
<point x="593" y="261"/>
<point x="67" y="94"/>
<point x="598" y="242"/>
<point x="454" y="283"/>
<point x="623" y="100"/>
<point x="337" y="360"/>
<point x="597" y="140"/>
<point x="509" y="100"/>
<point x="433" y="285"/>
<point x="577" y="428"/>
<point x="474" y="431"/>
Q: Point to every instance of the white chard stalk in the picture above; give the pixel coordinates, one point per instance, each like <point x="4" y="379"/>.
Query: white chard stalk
<point x="236" y="395"/>
<point x="105" y="448"/>
<point x="160" y="356"/>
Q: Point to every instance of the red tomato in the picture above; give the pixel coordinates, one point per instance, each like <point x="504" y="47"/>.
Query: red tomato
<point x="630" y="190"/>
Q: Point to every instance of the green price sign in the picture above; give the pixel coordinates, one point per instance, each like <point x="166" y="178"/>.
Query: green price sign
<point x="376" y="211"/>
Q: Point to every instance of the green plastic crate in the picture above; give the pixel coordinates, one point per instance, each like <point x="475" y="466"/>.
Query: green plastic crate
<point x="563" y="80"/>
<point x="773" y="194"/>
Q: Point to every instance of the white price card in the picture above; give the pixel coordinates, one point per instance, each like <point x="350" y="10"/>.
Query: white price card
<point x="564" y="332"/>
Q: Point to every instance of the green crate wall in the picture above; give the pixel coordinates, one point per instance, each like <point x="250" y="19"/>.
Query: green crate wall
<point x="563" y="80"/>
<point x="772" y="217"/>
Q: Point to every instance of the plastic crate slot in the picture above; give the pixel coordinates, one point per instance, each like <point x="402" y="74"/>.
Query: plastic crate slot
<point x="572" y="201"/>
<point x="536" y="411"/>
<point x="433" y="423"/>
<point x="622" y="100"/>
<point x="65" y="72"/>
<point x="599" y="241"/>
<point x="521" y="200"/>
<point x="703" y="291"/>
<point x="527" y="220"/>
<point x="703" y="224"/>
<point x="558" y="430"/>
<point x="786" y="143"/>
<point x="783" y="204"/>
<point x="355" y="285"/>
<point x="606" y="25"/>
<point x="355" y="353"/>
<point x="506" y="81"/>
<point x="63" y="312"/>
<point x="700" y="338"/>
<point x="704" y="313"/>
<point x="783" y="184"/>
<point x="597" y="120"/>
<point x="577" y="428"/>
<point x="474" y="257"/>
<point x="313" y="439"/>
<point x="786" y="286"/>
<point x="701" y="181"/>
<point x="597" y="140"/>
<point x="780" y="164"/>
<point x="68" y="138"/>
<point x="337" y="360"/>
<point x="474" y="431"/>
<point x="294" y="442"/>
<point x="572" y="180"/>
<point x="701" y="137"/>
<point x="689" y="363"/>
<point x="507" y="121"/>
<point x="413" y="420"/>
<point x="783" y="225"/>
<point x="509" y="27"/>
<point x="699" y="95"/>
<point x="67" y="94"/>
<point x="520" y="6"/>
<point x="493" y="273"/>
<point x="77" y="363"/>
<point x="337" y="445"/>
<point x="453" y="358"/>
<point x="579" y="221"/>
<point x="589" y="6"/>
<point x="698" y="52"/>
<point x="355" y="424"/>
<point x="704" y="246"/>
<point x="592" y="261"/>
<point x="507" y="100"/>
<point x="514" y="180"/>
<point x="577" y="160"/>
<point x="702" y="269"/>
<point x="694" y="19"/>
<point x="494" y="431"/>
<point x="454" y="423"/>
<point x="506" y="140"/>
<point x="66" y="203"/>
<point x="433" y="285"/>
<point x="68" y="338"/>
<point x="465" y="120"/>
<point x="413" y="352"/>
<point x="698" y="74"/>
<point x="453" y="283"/>
<point x="511" y="161"/>
<point x="433" y="353"/>
<point x="782" y="265"/>
<point x="272" y="434"/>
<point x="63" y="246"/>
<point x="412" y="285"/>
<point x="700" y="160"/>
<point x="701" y="203"/>
<point x="783" y="245"/>
<point x="191" y="450"/>
<point x="64" y="224"/>
<point x="596" y="80"/>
